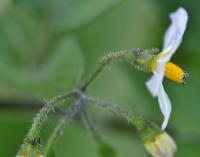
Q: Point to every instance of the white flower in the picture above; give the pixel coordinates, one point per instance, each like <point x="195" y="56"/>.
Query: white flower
<point x="172" y="40"/>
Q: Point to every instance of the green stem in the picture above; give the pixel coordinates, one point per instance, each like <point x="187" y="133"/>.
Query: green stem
<point x="146" y="130"/>
<point x="103" y="149"/>
<point x="60" y="127"/>
<point x="41" y="116"/>
<point x="89" y="124"/>
<point x="106" y="60"/>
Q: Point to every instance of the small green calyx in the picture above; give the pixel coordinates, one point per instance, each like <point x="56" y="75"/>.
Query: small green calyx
<point x="144" y="57"/>
<point x="145" y="129"/>
<point x="149" y="132"/>
<point x="31" y="148"/>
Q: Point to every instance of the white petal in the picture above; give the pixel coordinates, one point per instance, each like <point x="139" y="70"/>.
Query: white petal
<point x="153" y="84"/>
<point x="174" y="33"/>
<point x="165" y="105"/>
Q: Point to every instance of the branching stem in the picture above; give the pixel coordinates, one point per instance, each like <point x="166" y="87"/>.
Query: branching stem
<point x="61" y="125"/>
<point x="89" y="124"/>
<point x="146" y="130"/>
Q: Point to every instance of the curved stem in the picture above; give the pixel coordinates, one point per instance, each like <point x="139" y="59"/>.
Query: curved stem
<point x="113" y="108"/>
<point x="146" y="130"/>
<point x="41" y="116"/>
<point x="89" y="124"/>
<point x="61" y="125"/>
<point x="103" y="149"/>
<point x="106" y="60"/>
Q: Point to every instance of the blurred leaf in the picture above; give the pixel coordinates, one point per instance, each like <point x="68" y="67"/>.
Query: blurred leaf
<point x="51" y="153"/>
<point x="74" y="14"/>
<point x="61" y="71"/>
<point x="121" y="28"/>
<point x="185" y="99"/>
<point x="105" y="150"/>
<point x="30" y="61"/>
<point x="13" y="130"/>
<point x="188" y="148"/>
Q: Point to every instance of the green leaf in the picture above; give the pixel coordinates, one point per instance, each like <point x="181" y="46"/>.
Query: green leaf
<point x="105" y="150"/>
<point x="32" y="61"/>
<point x="74" y="14"/>
<point x="29" y="61"/>
<point x="51" y="153"/>
<point x="61" y="71"/>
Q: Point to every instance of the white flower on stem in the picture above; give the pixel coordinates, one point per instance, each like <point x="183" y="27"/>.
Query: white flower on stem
<point x="161" y="66"/>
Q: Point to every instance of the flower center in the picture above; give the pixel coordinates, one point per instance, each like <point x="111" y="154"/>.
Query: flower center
<point x="172" y="72"/>
<point x="175" y="73"/>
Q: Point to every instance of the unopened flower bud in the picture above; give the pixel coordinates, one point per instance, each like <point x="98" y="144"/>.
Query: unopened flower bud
<point x="162" y="146"/>
<point x="31" y="149"/>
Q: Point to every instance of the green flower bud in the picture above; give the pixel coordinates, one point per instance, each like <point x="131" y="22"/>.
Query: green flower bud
<point x="31" y="148"/>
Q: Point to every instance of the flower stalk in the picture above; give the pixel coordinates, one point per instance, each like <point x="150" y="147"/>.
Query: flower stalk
<point x="156" y="141"/>
<point x="146" y="130"/>
<point x="31" y="144"/>
<point x="124" y="55"/>
<point x="61" y="125"/>
<point x="43" y="113"/>
<point x="103" y="149"/>
<point x="88" y="122"/>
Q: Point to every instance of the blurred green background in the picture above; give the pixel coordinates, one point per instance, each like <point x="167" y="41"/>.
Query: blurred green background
<point x="49" y="46"/>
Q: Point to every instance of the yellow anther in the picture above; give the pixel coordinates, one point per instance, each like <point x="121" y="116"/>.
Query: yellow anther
<point x="175" y="73"/>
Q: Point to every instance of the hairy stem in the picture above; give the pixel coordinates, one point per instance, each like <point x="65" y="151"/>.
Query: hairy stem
<point x="106" y="60"/>
<point x="61" y="125"/>
<point x="146" y="130"/>
<point x="113" y="108"/>
<point x="89" y="124"/>
<point x="103" y="149"/>
<point x="41" y="116"/>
